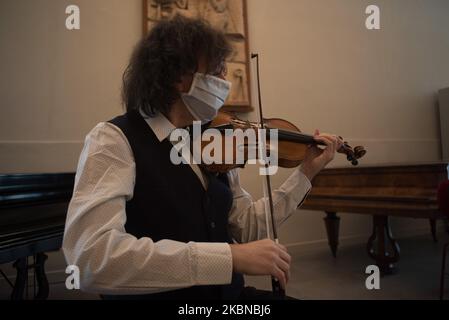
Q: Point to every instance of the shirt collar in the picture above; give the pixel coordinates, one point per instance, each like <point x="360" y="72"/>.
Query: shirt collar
<point x="160" y="125"/>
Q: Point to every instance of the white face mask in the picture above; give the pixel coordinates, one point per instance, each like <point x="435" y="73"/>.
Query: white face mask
<point x="206" y="96"/>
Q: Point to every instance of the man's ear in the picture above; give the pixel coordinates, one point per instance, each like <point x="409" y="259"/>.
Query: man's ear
<point x="184" y="84"/>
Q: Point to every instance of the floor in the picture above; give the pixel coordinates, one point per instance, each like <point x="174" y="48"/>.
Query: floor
<point x="317" y="275"/>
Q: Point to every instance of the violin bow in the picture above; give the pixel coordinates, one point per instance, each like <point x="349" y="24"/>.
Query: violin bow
<point x="277" y="289"/>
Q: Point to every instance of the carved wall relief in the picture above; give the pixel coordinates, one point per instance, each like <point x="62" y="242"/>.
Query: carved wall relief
<point x="226" y="15"/>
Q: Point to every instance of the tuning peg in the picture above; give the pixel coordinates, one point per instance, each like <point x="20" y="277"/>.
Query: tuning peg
<point x="359" y="152"/>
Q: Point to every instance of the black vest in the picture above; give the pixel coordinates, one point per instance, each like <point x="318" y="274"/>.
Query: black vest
<point x="169" y="202"/>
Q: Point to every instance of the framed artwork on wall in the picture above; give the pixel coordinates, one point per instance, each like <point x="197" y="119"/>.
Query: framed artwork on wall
<point x="229" y="16"/>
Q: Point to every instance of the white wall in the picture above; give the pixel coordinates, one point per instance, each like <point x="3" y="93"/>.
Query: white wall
<point x="57" y="84"/>
<point x="320" y="69"/>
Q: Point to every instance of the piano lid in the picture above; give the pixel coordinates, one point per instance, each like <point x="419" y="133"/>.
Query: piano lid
<point x="385" y="190"/>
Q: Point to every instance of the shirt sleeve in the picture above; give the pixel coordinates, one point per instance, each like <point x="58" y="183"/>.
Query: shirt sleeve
<point x="248" y="219"/>
<point x="112" y="261"/>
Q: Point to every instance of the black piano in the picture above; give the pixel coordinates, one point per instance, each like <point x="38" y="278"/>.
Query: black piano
<point x="33" y="210"/>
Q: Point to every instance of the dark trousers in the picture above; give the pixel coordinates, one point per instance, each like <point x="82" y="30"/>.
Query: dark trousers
<point x="247" y="294"/>
<point x="251" y="293"/>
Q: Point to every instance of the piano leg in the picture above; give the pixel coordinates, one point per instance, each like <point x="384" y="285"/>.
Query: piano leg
<point x="387" y="252"/>
<point x="332" y="222"/>
<point x="21" y="280"/>
<point x="443" y="271"/>
<point x="41" y="278"/>
<point x="433" y="228"/>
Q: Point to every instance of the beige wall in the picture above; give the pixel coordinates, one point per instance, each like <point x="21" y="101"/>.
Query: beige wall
<point x="57" y="84"/>
<point x="320" y="69"/>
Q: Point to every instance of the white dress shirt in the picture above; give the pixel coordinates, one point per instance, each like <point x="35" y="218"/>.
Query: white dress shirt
<point x="112" y="261"/>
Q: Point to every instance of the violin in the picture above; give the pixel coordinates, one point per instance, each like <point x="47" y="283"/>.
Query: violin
<point x="291" y="148"/>
<point x="292" y="144"/>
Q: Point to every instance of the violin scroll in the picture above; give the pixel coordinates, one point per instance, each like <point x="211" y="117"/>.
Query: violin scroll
<point x="353" y="155"/>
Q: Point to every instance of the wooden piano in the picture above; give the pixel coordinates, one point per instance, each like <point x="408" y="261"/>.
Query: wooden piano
<point x="402" y="191"/>
<point x="32" y="216"/>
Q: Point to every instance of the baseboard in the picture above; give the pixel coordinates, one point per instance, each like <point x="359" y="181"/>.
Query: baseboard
<point x="306" y="247"/>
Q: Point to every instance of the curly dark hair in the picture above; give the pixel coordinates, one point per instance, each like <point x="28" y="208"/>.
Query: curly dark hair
<point x="170" y="50"/>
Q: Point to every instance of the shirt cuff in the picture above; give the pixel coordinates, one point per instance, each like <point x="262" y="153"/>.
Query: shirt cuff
<point x="213" y="263"/>
<point x="306" y="186"/>
<point x="305" y="181"/>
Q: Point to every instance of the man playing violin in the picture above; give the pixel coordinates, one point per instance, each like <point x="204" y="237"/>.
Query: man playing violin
<point x="139" y="226"/>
